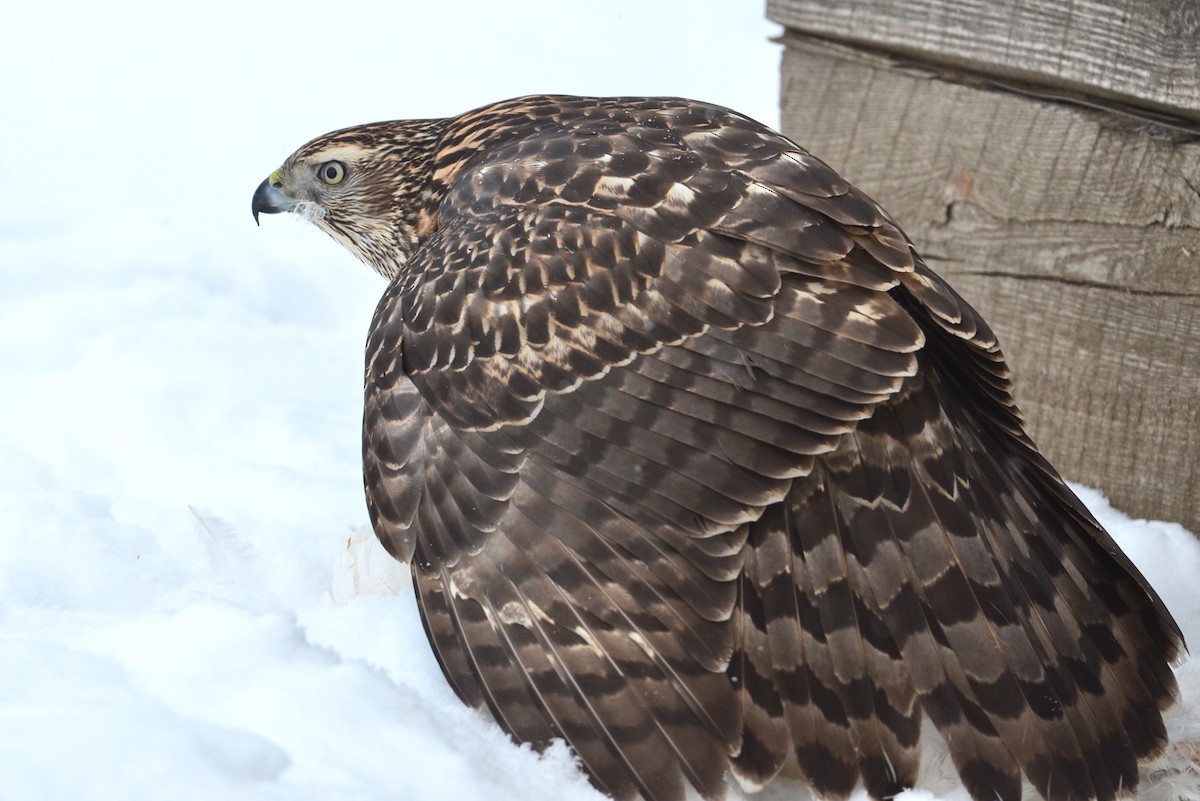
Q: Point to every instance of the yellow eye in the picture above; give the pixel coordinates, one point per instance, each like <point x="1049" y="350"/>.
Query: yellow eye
<point x="332" y="172"/>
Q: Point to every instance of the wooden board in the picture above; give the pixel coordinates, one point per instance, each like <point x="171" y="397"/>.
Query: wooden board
<point x="1141" y="52"/>
<point x="1074" y="231"/>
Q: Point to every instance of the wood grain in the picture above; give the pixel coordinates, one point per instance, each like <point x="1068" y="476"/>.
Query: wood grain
<point x="1141" y="52"/>
<point x="1075" y="232"/>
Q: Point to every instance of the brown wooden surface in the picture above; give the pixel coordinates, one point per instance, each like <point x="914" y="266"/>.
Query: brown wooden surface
<point x="1074" y="231"/>
<point x="1143" y="52"/>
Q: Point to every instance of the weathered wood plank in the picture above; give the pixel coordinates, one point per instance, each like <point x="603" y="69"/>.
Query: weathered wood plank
<point x="1075" y="232"/>
<point x="1142" y="52"/>
<point x="1100" y="388"/>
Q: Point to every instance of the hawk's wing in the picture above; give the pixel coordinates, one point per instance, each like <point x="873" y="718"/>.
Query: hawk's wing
<point x="637" y="343"/>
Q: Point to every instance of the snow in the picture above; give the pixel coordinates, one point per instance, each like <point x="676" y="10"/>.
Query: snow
<point x="190" y="603"/>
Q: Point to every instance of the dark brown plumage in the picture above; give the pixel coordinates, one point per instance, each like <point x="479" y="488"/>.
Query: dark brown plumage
<point x="699" y="466"/>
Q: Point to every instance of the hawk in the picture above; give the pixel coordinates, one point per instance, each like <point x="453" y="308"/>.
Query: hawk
<point x="700" y="468"/>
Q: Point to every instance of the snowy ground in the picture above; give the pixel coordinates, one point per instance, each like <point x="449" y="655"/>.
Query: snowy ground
<point x="189" y="606"/>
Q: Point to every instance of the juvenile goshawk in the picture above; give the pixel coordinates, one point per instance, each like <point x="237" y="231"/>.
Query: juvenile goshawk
<point x="699" y="467"/>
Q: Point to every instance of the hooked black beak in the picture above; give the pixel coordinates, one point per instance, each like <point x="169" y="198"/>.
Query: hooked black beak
<point x="269" y="198"/>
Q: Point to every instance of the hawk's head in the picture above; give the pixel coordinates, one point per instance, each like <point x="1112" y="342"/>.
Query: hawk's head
<point x="363" y="186"/>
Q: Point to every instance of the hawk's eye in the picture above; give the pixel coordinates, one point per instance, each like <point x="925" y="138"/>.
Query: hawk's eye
<point x="332" y="172"/>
